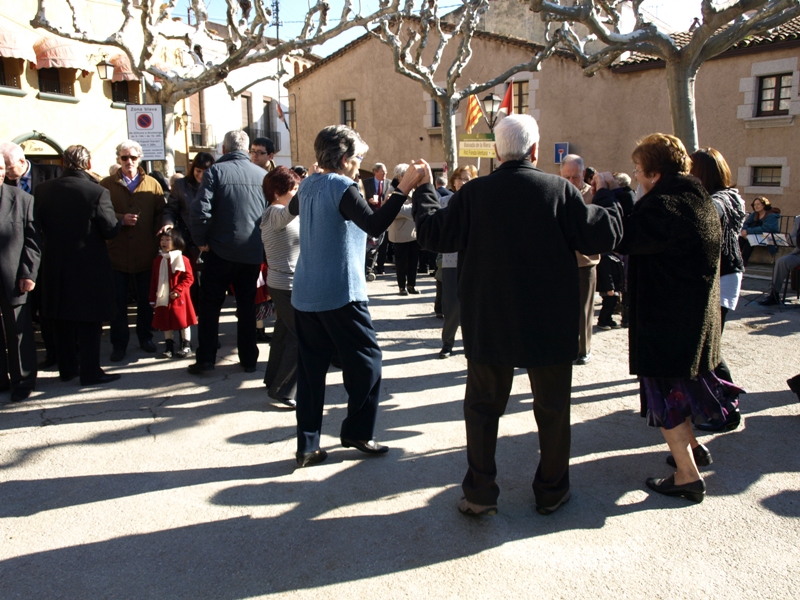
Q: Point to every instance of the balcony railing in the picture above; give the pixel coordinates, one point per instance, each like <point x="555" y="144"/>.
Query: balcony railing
<point x="254" y="132"/>
<point x="203" y="136"/>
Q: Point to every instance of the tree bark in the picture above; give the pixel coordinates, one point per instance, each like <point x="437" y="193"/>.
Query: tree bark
<point x="680" y="84"/>
<point x="449" y="141"/>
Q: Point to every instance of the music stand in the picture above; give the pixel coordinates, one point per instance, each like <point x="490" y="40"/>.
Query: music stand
<point x="770" y="240"/>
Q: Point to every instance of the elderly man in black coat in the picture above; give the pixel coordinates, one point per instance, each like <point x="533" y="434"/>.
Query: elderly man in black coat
<point x="19" y="263"/>
<point x="76" y="217"/>
<point x="516" y="232"/>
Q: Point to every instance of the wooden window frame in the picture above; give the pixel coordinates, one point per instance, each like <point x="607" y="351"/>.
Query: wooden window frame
<point x="774" y="111"/>
<point x="348" y="108"/>
<point x="755" y="180"/>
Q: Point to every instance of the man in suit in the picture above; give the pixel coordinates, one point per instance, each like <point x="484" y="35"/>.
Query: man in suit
<point x="19" y="264"/>
<point x="22" y="173"/>
<point x="572" y="169"/>
<point x="531" y="223"/>
<point x="76" y="218"/>
<point x="441" y="187"/>
<point x="376" y="189"/>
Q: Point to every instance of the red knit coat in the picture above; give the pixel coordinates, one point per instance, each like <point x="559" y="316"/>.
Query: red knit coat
<point x="179" y="314"/>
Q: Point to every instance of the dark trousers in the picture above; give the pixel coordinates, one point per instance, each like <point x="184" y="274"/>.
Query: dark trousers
<point x="437" y="300"/>
<point x="382" y="251"/>
<point x="78" y="348"/>
<point x="219" y="275"/>
<point x="450" y="307"/>
<point x="45" y="325"/>
<point x="348" y="331"/>
<point x="281" y="375"/>
<point x="144" y="312"/>
<point x="723" y="371"/>
<point x="17" y="346"/>
<point x="488" y="387"/>
<point x="405" y="260"/>
<point x="607" y="310"/>
<point x="587" y="277"/>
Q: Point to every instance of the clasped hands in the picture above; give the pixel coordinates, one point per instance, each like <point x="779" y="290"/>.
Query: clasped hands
<point x="417" y="174"/>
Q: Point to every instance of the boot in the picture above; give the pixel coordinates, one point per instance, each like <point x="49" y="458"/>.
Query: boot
<point x="169" y="350"/>
<point x="185" y="351"/>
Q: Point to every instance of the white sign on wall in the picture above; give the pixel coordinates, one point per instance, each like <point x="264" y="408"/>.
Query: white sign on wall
<point x="146" y="126"/>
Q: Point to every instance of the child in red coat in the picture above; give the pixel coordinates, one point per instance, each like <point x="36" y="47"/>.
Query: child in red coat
<point x="169" y="294"/>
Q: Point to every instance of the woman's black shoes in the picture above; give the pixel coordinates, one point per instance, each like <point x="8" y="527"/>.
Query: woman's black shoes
<point x="702" y="457"/>
<point x="694" y="491"/>
<point x="732" y="421"/>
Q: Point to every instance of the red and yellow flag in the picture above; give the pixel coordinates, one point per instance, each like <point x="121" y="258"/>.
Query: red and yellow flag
<point x="474" y="113"/>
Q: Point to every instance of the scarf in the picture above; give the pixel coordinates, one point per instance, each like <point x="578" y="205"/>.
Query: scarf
<point x="170" y="262"/>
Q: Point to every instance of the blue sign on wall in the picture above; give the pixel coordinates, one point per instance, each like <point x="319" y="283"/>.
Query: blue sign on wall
<point x="562" y="149"/>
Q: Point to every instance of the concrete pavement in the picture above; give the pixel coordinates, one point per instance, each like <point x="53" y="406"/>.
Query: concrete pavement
<point x="173" y="486"/>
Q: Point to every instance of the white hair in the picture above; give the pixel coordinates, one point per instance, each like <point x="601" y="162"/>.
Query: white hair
<point x="515" y="136"/>
<point x="572" y="158"/>
<point x="236" y="140"/>
<point x="12" y="152"/>
<point x="400" y="170"/>
<point x="130" y="145"/>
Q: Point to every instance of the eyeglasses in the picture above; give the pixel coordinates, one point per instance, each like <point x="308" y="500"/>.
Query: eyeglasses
<point x="635" y="171"/>
<point x="126" y="158"/>
<point x="258" y="152"/>
<point x="360" y="158"/>
<point x="464" y="179"/>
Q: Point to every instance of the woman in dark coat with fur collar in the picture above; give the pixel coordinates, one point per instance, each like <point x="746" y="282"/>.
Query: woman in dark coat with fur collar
<point x="673" y="239"/>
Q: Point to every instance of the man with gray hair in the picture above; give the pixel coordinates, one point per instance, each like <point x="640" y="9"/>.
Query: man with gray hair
<point x="572" y="169"/>
<point x="225" y="220"/>
<point x="76" y="218"/>
<point x="523" y="315"/>
<point x="19" y="264"/>
<point x="138" y="202"/>
<point x="27" y="175"/>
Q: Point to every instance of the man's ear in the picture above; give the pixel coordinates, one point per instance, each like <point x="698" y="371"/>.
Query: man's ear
<point x="89" y="165"/>
<point x="535" y="153"/>
<point x="497" y="154"/>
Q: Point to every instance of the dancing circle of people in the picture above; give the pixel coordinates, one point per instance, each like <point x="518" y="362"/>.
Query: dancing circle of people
<point x="303" y="244"/>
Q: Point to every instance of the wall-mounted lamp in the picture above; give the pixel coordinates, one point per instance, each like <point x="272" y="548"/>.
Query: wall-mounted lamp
<point x="105" y="69"/>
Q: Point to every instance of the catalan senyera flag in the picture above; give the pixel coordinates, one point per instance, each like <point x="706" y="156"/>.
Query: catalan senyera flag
<point x="474" y="113"/>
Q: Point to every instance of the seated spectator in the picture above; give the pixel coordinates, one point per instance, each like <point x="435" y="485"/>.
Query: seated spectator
<point x="783" y="266"/>
<point x="765" y="218"/>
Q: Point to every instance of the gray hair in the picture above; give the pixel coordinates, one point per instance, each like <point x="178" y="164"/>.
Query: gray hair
<point x="77" y="157"/>
<point x="400" y="170"/>
<point x="113" y="168"/>
<point x="515" y="136"/>
<point x="335" y="143"/>
<point x="236" y="140"/>
<point x="378" y="166"/>
<point x="622" y="179"/>
<point x="12" y="152"/>
<point x="175" y="178"/>
<point x="573" y="158"/>
<point x="441" y="181"/>
<point x="130" y="145"/>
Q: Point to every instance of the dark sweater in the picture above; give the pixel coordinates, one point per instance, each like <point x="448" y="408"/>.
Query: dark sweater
<point x="516" y="232"/>
<point x="673" y="239"/>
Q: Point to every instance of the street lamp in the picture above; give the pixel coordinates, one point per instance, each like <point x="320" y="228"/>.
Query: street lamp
<point x="491" y="104"/>
<point x="105" y="69"/>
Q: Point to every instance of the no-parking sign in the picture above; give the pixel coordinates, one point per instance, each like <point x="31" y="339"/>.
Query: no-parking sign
<point x="146" y="126"/>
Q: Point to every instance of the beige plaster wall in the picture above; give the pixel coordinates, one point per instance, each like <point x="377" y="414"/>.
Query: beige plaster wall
<point x="601" y="117"/>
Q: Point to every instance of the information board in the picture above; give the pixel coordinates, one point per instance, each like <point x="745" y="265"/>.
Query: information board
<point x="476" y="145"/>
<point x="146" y="126"/>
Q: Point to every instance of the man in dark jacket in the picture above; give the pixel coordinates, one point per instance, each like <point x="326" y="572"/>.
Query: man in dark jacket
<point x="76" y="218"/>
<point x="19" y="263"/>
<point x="225" y="220"/>
<point x="22" y="173"/>
<point x="524" y="314"/>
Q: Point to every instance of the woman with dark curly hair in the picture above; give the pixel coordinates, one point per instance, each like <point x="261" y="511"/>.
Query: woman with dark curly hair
<point x="673" y="238"/>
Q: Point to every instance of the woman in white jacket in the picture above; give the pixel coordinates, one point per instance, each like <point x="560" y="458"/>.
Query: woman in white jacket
<point x="403" y="234"/>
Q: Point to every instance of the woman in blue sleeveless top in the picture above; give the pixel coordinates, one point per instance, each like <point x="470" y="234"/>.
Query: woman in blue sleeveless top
<point x="330" y="292"/>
